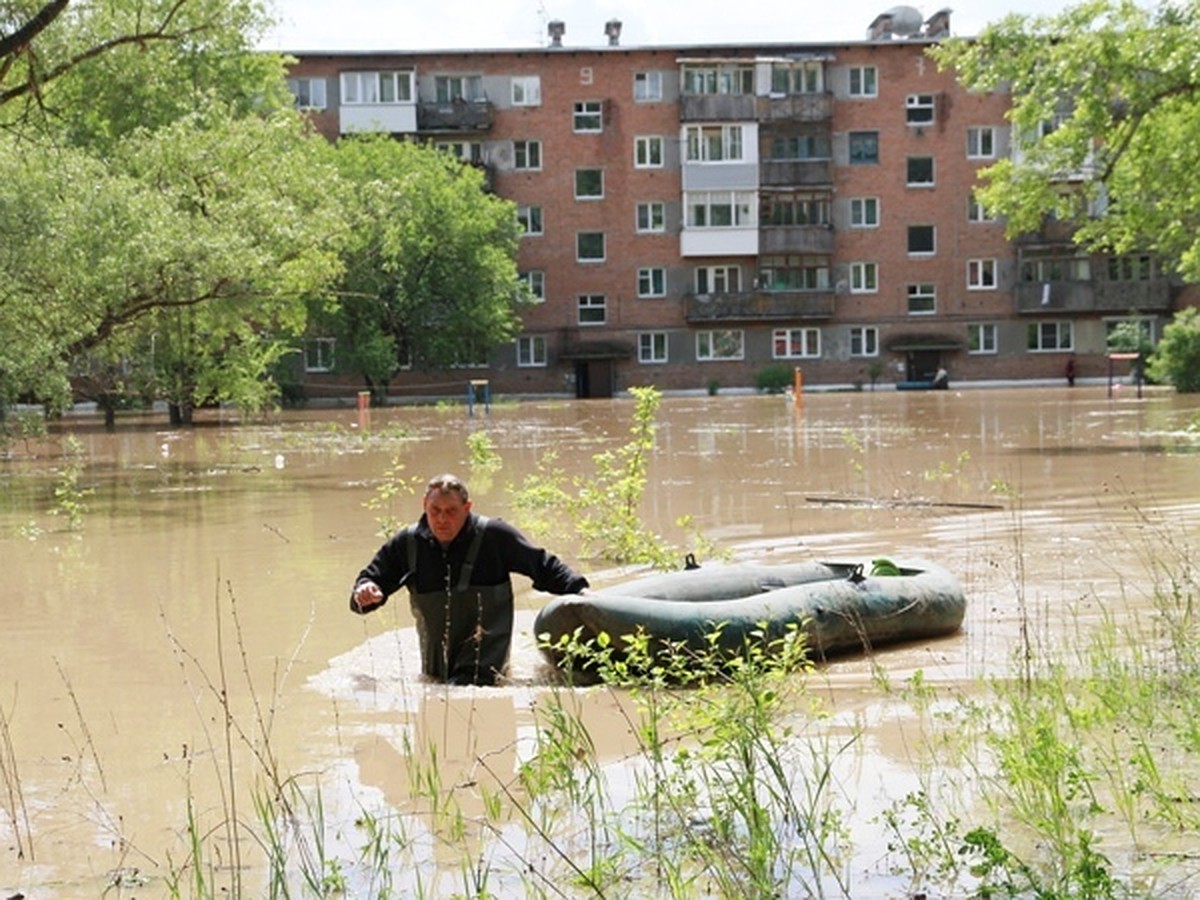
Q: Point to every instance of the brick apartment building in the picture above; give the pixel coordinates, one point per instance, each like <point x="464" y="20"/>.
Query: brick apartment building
<point x="697" y="214"/>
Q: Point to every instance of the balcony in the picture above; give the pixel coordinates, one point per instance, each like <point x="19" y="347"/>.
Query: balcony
<point x="455" y="116"/>
<point x="815" y="239"/>
<point x="794" y="108"/>
<point x="717" y="107"/>
<point x="758" y="306"/>
<point x="1097" y="296"/>
<point x="796" y="173"/>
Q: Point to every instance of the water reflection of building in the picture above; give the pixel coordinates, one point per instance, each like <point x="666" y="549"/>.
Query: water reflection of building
<point x="696" y="214"/>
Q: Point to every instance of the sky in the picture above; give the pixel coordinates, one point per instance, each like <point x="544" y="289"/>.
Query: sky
<point x="505" y="24"/>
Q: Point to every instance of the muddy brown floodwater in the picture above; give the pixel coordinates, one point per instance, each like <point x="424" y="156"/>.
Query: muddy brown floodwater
<point x="216" y="561"/>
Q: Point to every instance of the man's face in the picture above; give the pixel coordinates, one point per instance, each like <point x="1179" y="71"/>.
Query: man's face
<point x="446" y="512"/>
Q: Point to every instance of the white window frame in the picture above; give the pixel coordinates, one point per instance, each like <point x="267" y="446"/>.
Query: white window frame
<point x="977" y="212"/>
<point x="579" y="237"/>
<point x="925" y="294"/>
<point x="864" y="278"/>
<point x="653" y="348"/>
<point x="652" y="281"/>
<point x="983" y="338"/>
<point x="323" y="349"/>
<point x="648" y="152"/>
<point x="531" y="352"/>
<point x="920" y="110"/>
<point x="600" y="195"/>
<point x="720" y="345"/>
<point x="309" y="93"/>
<point x="981" y="274"/>
<point x="530" y="219"/>
<point x="796" y="343"/>
<point x="981" y="142"/>
<point x="742" y="209"/>
<point x="591" y="310"/>
<point x="651" y="218"/>
<point x="466" y="151"/>
<point x="588" y="117"/>
<point x="714" y="144"/>
<point x="864" y="341"/>
<point x="535" y="280"/>
<point x="867" y="78"/>
<point x="1064" y="336"/>
<point x="864" y="212"/>
<point x="526" y="90"/>
<point x="923" y="254"/>
<point x="366" y="88"/>
<point x="648" y="86"/>
<point x="451" y="88"/>
<point x="718" y="279"/>
<point x="527" y="156"/>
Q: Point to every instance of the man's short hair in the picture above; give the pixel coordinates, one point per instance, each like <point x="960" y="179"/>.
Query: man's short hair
<point x="448" y="484"/>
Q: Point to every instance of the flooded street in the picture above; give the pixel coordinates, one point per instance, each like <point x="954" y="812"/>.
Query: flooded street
<point x="208" y="584"/>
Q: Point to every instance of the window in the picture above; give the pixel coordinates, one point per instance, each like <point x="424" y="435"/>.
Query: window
<point x="588" y="118"/>
<point x="981" y="338"/>
<point x="592" y="309"/>
<point x="719" y="344"/>
<point x="797" y="78"/>
<point x="864" y="278"/>
<point x="727" y="78"/>
<point x="864" y="147"/>
<point x="864" y="81"/>
<point x="531" y="351"/>
<point x="536" y="282"/>
<point x="922" y="299"/>
<point x="720" y="209"/>
<point x="652" y="282"/>
<point x="651" y="218"/>
<point x="920" y="171"/>
<point x="309" y="92"/>
<point x="589" y="184"/>
<point x="794" y="208"/>
<point x="981" y="274"/>
<point x="359" y="88"/>
<point x="794" y="273"/>
<point x="800" y="146"/>
<point x="796" y="343"/>
<point x="318" y="355"/>
<point x="713" y="143"/>
<point x="527" y="154"/>
<point x="864" y="212"/>
<point x="530" y="218"/>
<point x="467" y="151"/>
<point x="448" y="88"/>
<point x="1056" y="268"/>
<point x="864" y="340"/>
<point x="918" y="109"/>
<point x="647" y="86"/>
<point x="981" y="142"/>
<point x="1134" y="267"/>
<point x="589" y="246"/>
<point x="648" y="152"/>
<point x="921" y="240"/>
<point x="718" y="279"/>
<point x="527" y="90"/>
<point x="652" y="347"/>
<point x="1046" y="336"/>
<point x="976" y="212"/>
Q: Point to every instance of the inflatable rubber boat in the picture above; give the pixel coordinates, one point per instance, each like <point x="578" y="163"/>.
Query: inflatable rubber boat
<point x="840" y="607"/>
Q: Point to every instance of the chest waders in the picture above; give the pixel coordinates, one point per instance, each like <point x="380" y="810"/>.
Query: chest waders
<point x="464" y="630"/>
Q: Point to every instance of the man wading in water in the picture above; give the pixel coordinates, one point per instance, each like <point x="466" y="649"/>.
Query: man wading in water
<point x="456" y="565"/>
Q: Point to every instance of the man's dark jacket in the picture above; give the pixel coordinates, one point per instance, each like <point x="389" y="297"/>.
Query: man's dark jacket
<point x="466" y="630"/>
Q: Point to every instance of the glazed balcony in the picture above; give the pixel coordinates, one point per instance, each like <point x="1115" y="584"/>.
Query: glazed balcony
<point x="455" y="116"/>
<point x="1097" y="296"/>
<point x="758" y="306"/>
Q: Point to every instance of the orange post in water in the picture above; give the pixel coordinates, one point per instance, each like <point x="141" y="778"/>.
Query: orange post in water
<point x="798" y="388"/>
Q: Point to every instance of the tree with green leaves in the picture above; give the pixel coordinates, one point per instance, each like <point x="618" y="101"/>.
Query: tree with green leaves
<point x="431" y="277"/>
<point x="1106" y="124"/>
<point x="1176" y="359"/>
